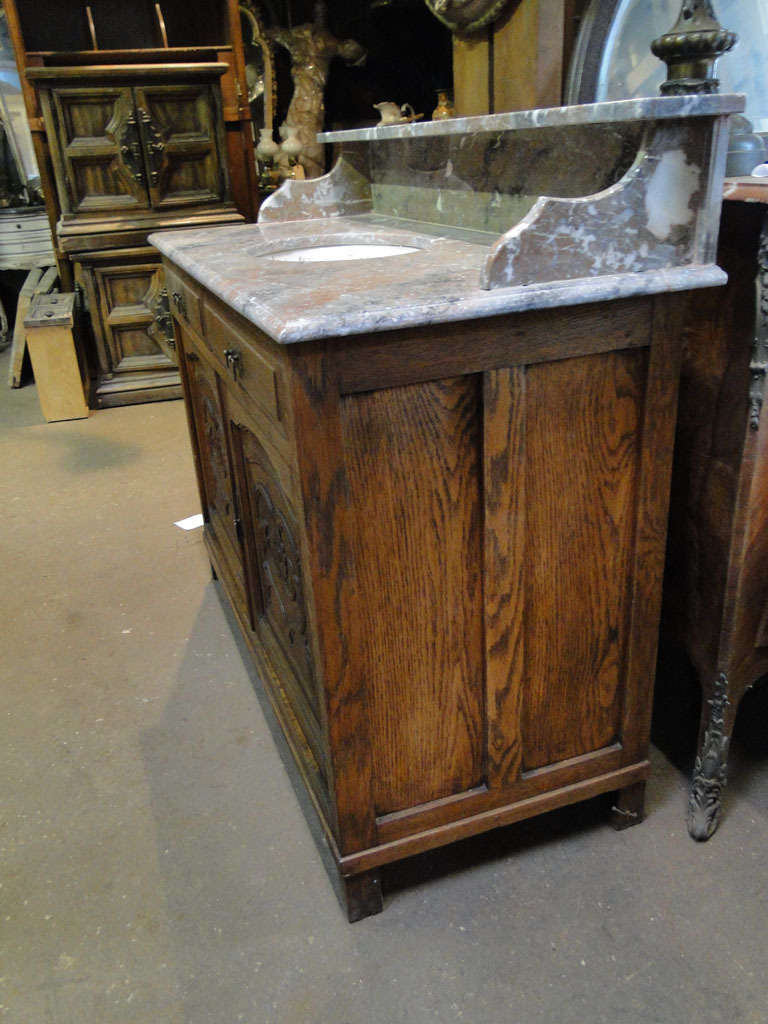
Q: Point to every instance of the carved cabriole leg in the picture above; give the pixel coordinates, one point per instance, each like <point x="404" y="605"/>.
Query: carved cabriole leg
<point x="363" y="895"/>
<point x="711" y="769"/>
<point x="628" y="810"/>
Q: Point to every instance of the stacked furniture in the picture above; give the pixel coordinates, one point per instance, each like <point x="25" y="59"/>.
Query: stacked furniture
<point x="138" y="124"/>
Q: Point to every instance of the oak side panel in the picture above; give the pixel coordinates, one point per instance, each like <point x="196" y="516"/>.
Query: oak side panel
<point x="582" y="421"/>
<point x="413" y="459"/>
<point x="332" y="599"/>
<point x="504" y="489"/>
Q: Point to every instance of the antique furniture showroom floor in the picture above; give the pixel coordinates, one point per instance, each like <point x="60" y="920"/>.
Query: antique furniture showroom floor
<point x="156" y="864"/>
<point x="432" y="418"/>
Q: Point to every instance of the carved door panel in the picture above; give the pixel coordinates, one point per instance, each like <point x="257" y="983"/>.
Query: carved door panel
<point x="180" y="126"/>
<point x="274" y="576"/>
<point x="128" y="297"/>
<point x="100" y="149"/>
<point x="218" y="497"/>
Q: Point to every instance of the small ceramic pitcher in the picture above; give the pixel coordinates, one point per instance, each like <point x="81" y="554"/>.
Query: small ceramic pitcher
<point x="390" y="113"/>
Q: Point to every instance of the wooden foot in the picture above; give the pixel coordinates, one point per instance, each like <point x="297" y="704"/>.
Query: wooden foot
<point x="710" y="772"/>
<point x="628" y="808"/>
<point x="362" y="895"/>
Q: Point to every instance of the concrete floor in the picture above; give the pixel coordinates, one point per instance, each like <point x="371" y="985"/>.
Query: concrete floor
<point x="156" y="867"/>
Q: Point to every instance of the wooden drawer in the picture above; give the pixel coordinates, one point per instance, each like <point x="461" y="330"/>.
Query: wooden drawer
<point x="259" y="376"/>
<point x="185" y="302"/>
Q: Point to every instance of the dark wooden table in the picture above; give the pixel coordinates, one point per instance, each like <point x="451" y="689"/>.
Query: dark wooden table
<point x="716" y="590"/>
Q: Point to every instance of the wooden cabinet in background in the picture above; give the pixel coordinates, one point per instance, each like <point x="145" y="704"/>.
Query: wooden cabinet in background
<point x="443" y="547"/>
<point x="123" y="149"/>
<point x="134" y="148"/>
<point x="126" y="294"/>
<point x="139" y="123"/>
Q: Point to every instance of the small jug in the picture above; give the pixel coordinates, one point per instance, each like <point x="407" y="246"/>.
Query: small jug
<point x="390" y="113"/>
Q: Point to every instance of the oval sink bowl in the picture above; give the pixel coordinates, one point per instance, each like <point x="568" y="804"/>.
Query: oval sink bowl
<point x="331" y="253"/>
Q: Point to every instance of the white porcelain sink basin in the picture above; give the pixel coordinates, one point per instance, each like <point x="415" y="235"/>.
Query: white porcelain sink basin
<point x="332" y="253"/>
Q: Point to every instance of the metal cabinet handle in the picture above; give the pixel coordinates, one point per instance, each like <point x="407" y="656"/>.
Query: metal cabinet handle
<point x="179" y="304"/>
<point x="232" y="358"/>
<point x="155" y="144"/>
<point x="131" y="149"/>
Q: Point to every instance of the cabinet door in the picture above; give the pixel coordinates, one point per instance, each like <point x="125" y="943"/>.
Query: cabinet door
<point x="97" y="150"/>
<point x="218" y="495"/>
<point x="274" y="575"/>
<point x="180" y="132"/>
<point x="127" y="297"/>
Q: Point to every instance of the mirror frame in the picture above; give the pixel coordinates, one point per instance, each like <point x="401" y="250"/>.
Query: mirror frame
<point x="466" y="15"/>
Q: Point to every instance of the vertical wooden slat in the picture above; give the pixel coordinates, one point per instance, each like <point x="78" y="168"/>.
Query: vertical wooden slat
<point x="582" y="454"/>
<point x="472" y="87"/>
<point x="528" y="56"/>
<point x="503" y="553"/>
<point x="331" y="596"/>
<point x="658" y="433"/>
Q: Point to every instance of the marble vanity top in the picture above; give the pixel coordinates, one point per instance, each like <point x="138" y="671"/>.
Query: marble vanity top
<point x="438" y="283"/>
<point x="641" y="221"/>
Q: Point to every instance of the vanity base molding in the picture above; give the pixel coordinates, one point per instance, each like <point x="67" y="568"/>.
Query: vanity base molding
<point x="443" y="547"/>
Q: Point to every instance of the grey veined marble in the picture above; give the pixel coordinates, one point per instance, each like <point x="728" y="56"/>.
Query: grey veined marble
<point x="502" y="213"/>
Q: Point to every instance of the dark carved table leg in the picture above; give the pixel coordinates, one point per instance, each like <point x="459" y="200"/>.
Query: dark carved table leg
<point x="363" y="895"/>
<point x="711" y="769"/>
<point x="628" y="809"/>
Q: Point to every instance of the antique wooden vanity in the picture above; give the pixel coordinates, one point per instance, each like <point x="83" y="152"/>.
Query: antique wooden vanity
<point x="435" y="480"/>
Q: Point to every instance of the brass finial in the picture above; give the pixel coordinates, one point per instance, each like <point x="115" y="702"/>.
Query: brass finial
<point x="691" y="48"/>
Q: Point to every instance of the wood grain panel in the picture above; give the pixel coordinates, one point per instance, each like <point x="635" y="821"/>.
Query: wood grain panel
<point x="504" y="561"/>
<point x="490" y="343"/>
<point x="181" y="138"/>
<point x="332" y="600"/>
<point x="582" y="465"/>
<point x="126" y="297"/>
<point x="656" y="446"/>
<point x="413" y="465"/>
<point x="96" y="150"/>
<point x="218" y="494"/>
<point x="275" y="577"/>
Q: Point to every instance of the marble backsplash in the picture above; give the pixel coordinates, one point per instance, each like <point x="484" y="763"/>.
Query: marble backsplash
<point x="488" y="181"/>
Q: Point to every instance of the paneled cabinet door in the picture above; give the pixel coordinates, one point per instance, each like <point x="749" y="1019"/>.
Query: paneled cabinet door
<point x="274" y="577"/>
<point x="219" y="502"/>
<point x="180" y="128"/>
<point x="127" y="297"/>
<point x="100" y="148"/>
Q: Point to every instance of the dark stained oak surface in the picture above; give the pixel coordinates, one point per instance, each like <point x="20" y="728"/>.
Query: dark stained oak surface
<point x="414" y="470"/>
<point x="444" y="553"/>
